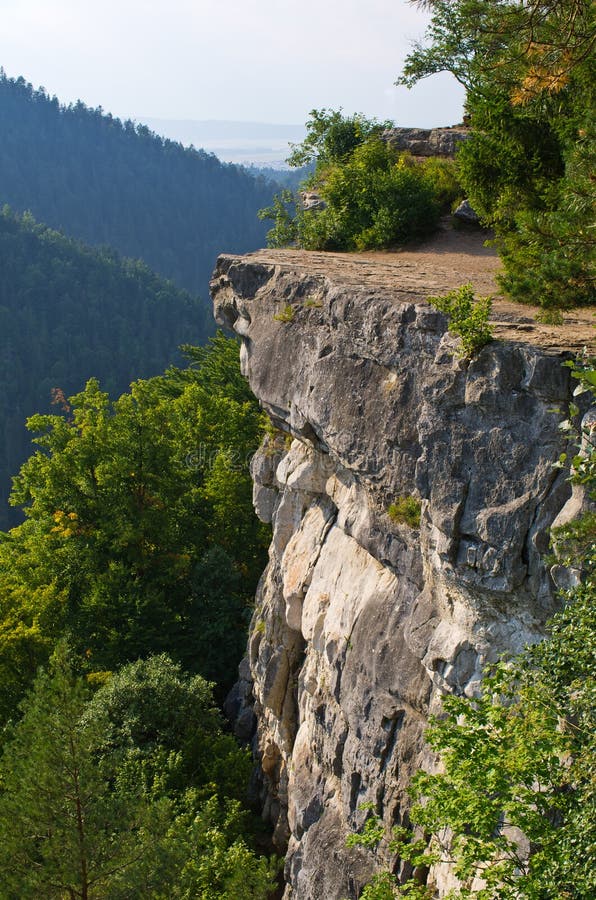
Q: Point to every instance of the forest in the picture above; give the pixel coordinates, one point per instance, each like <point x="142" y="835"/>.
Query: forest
<point x="133" y="205"/>
<point x="124" y="595"/>
<point x="103" y="181"/>
<point x="127" y="577"/>
<point x="68" y="312"/>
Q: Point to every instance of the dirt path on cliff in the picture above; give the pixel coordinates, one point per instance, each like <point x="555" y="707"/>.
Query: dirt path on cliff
<point x="461" y="256"/>
<point x="457" y="255"/>
<point x="453" y="256"/>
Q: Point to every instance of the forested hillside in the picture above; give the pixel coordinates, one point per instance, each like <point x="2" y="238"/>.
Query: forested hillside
<point x="68" y="312"/>
<point x="107" y="182"/>
<point x="130" y="582"/>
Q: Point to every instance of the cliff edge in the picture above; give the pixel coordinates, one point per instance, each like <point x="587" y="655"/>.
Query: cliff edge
<point x="362" y="621"/>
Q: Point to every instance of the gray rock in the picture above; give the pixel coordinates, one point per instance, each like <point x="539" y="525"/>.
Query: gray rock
<point x="362" y="623"/>
<point x="465" y="213"/>
<point x="312" y="200"/>
<point x="427" y="141"/>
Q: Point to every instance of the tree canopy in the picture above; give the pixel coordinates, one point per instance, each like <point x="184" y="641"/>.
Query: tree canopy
<point x="529" y="69"/>
<point x="118" y="795"/>
<point x="140" y="536"/>
<point x="68" y="312"/>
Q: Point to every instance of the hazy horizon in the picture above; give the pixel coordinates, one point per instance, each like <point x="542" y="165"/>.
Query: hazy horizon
<point x="255" y="61"/>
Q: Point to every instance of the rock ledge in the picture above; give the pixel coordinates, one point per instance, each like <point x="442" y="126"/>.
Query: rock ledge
<point x="362" y="623"/>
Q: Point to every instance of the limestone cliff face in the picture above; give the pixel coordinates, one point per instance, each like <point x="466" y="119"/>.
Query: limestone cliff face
<point x="362" y="623"/>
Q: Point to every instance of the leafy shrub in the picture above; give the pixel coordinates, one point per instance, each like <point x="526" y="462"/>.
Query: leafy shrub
<point x="441" y="175"/>
<point x="405" y="511"/>
<point x="374" y="197"/>
<point x="283" y="213"/>
<point x="332" y="137"/>
<point x="468" y="317"/>
<point x="373" y="200"/>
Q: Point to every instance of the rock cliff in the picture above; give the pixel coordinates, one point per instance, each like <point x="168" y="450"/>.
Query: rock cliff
<point x="363" y="622"/>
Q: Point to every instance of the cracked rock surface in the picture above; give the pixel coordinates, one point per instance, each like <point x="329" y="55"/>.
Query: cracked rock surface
<point x="363" y="622"/>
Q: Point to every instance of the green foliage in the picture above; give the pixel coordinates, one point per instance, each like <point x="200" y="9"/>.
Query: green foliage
<point x="381" y="887"/>
<point x="283" y="212"/>
<point x="162" y="724"/>
<point x="332" y="137"/>
<point x="68" y="312"/>
<point x="206" y="858"/>
<point x="552" y="253"/>
<point x="372" y="196"/>
<point x="384" y="885"/>
<point x="405" y="511"/>
<point x="574" y="542"/>
<point x="442" y="176"/>
<point x="468" y="317"/>
<point x="529" y="73"/>
<point x="52" y="798"/>
<point x="140" y="535"/>
<point x="287" y="314"/>
<point x="373" y="199"/>
<point x="88" y="810"/>
<point x="372" y="831"/>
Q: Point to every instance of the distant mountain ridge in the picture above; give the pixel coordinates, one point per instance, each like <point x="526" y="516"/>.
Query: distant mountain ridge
<point x="246" y="143"/>
<point x="110" y="182"/>
<point x="212" y="128"/>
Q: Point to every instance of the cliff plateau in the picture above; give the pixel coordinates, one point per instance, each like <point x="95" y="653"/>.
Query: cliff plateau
<point x="362" y="622"/>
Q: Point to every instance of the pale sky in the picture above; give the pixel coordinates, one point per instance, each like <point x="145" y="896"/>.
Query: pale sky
<point x="248" y="60"/>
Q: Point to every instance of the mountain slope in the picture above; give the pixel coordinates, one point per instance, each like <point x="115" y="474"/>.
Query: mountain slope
<point x="107" y="182"/>
<point x="68" y="312"/>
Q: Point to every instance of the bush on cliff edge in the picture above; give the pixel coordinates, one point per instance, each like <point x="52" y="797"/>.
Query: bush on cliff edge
<point x="371" y="195"/>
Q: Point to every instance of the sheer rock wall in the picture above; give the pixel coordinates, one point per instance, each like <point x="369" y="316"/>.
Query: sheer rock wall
<point x="361" y="622"/>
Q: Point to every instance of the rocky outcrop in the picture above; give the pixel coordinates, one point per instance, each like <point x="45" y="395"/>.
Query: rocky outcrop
<point x="427" y="141"/>
<point x="363" y="622"/>
<point x="465" y="213"/>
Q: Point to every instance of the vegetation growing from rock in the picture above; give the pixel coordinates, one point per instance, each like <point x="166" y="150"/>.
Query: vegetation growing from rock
<point x="468" y="317"/>
<point x="528" y="69"/>
<point x="371" y="195"/>
<point x="405" y="511"/>
<point x="287" y="314"/>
